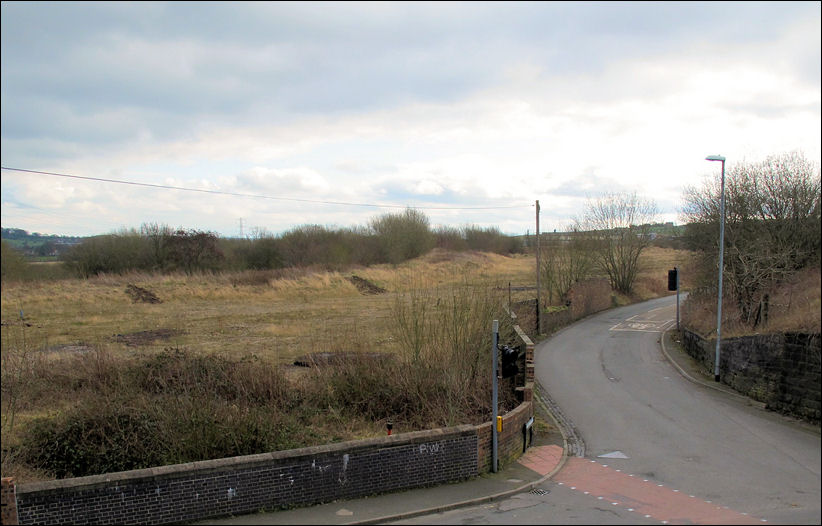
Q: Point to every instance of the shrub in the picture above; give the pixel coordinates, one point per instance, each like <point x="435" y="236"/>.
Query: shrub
<point x="403" y="236"/>
<point x="90" y="440"/>
<point x="13" y="265"/>
<point x="491" y="240"/>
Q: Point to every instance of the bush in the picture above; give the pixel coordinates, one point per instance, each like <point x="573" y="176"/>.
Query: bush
<point x="492" y="240"/>
<point x="90" y="440"/>
<point x="403" y="236"/>
<point x="13" y="266"/>
<point x="450" y="238"/>
<point x="112" y="253"/>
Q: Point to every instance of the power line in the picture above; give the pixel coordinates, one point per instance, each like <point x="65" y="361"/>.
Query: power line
<point x="257" y="196"/>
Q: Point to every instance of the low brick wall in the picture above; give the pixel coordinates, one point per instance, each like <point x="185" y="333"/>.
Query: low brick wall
<point x="247" y="484"/>
<point x="510" y="441"/>
<point x="585" y="298"/>
<point x="782" y="370"/>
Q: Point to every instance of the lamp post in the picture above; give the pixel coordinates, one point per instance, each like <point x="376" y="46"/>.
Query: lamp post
<point x="721" y="265"/>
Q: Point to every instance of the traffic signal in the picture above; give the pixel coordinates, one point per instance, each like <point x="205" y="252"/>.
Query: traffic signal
<point x="672" y="279"/>
<point x="508" y="357"/>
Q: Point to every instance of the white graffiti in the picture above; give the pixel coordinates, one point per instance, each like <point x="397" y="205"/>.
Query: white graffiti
<point x="430" y="448"/>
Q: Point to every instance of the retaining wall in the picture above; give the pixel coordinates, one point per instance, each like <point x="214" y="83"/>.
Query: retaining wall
<point x="782" y="370"/>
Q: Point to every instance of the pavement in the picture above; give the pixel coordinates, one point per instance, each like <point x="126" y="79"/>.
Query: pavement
<point x="540" y="463"/>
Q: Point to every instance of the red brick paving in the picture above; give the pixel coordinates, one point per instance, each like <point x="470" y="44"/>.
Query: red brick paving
<point x="642" y="496"/>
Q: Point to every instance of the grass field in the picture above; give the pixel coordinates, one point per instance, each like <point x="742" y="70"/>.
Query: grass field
<point x="85" y="353"/>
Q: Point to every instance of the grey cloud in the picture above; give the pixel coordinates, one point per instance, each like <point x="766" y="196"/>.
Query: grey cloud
<point x="170" y="67"/>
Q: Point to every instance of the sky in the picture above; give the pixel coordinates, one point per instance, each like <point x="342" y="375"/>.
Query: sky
<point x="278" y="115"/>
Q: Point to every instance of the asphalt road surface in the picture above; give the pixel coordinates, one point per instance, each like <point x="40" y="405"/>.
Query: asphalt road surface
<point x="657" y="447"/>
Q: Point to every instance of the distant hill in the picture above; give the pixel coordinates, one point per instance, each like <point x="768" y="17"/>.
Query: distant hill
<point x="36" y="245"/>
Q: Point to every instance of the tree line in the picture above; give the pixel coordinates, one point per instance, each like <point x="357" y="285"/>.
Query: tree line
<point x="389" y="238"/>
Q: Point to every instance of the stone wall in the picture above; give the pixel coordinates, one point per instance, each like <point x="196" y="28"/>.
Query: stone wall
<point x="781" y="370"/>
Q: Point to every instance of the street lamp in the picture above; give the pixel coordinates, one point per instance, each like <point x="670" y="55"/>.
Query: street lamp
<point x="721" y="255"/>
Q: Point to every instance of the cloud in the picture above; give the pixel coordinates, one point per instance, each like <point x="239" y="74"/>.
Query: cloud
<point x="394" y="103"/>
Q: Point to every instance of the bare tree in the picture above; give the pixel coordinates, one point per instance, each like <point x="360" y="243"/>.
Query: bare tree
<point x="619" y="226"/>
<point x="159" y="237"/>
<point x="772" y="227"/>
<point x="195" y="250"/>
<point x="564" y="260"/>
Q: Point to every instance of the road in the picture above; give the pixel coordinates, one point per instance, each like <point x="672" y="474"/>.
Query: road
<point x="658" y="448"/>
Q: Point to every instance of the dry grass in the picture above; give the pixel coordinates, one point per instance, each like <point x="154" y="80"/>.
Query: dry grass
<point x="76" y="336"/>
<point x="276" y="316"/>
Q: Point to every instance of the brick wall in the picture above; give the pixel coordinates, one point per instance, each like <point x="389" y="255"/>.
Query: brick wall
<point x="782" y="370"/>
<point x="248" y="484"/>
<point x="586" y="297"/>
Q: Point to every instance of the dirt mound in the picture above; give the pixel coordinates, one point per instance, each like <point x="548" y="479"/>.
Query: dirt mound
<point x="365" y="286"/>
<point x="140" y="295"/>
<point x="135" y="339"/>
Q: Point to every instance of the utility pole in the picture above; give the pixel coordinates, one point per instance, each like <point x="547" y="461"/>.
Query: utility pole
<point x="241" y="228"/>
<point x="538" y="287"/>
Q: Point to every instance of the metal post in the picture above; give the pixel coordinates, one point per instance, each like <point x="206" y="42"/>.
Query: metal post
<point x="494" y="438"/>
<point x="721" y="267"/>
<point x="538" y="272"/>
<point x="677" y="298"/>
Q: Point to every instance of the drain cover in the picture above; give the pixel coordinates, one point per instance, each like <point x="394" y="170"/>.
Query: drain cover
<point x="540" y="491"/>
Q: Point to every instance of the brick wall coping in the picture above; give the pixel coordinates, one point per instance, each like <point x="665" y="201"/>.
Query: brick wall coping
<point x="243" y="462"/>
<point x="524" y="337"/>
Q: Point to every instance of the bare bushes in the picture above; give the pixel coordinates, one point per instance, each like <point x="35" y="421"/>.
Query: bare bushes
<point x="793" y="306"/>
<point x="403" y="236"/>
<point x="389" y="238"/>
<point x="154" y="248"/>
<point x="772" y="230"/>
<point x="445" y="340"/>
<point x="169" y="408"/>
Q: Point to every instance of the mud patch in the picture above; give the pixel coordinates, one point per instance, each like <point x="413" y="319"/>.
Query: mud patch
<point x="141" y="295"/>
<point x="136" y="339"/>
<point x="365" y="286"/>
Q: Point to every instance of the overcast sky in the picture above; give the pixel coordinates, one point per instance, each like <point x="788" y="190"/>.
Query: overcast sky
<point x="460" y="108"/>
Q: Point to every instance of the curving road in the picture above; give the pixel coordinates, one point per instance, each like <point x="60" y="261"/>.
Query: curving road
<point x="609" y="376"/>
<point x="657" y="447"/>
